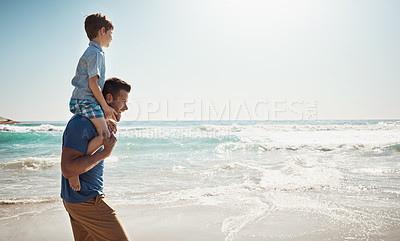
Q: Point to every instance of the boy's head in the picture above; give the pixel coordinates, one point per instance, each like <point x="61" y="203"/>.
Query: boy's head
<point x="115" y="92"/>
<point x="96" y="22"/>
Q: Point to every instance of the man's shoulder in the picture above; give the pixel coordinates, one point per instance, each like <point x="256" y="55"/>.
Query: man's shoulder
<point x="78" y="132"/>
<point x="78" y="122"/>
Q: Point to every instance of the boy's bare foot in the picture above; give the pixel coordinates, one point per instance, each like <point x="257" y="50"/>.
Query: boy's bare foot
<point x="75" y="183"/>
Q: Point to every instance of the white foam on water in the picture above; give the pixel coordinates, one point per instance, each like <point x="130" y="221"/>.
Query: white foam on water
<point x="32" y="163"/>
<point x="377" y="170"/>
<point x="31" y="128"/>
<point x="16" y="201"/>
<point x="361" y="222"/>
<point x="255" y="209"/>
<point x="302" y="174"/>
<point x="253" y="196"/>
<point x="112" y="159"/>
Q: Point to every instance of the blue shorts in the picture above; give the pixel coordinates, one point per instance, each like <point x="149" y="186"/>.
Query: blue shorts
<point x="86" y="108"/>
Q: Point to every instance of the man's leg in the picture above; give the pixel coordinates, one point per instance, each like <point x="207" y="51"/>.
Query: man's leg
<point x="79" y="231"/>
<point x="99" y="219"/>
<point x="108" y="226"/>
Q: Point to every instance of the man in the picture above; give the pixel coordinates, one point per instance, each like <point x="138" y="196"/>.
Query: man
<point x="92" y="218"/>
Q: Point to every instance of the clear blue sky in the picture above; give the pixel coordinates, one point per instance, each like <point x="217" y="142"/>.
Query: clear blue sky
<point x="344" y="54"/>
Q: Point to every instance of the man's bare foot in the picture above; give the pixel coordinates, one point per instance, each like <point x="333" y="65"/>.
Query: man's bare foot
<point x="75" y="183"/>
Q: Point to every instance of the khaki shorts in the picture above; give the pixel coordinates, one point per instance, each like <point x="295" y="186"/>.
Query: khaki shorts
<point x="95" y="220"/>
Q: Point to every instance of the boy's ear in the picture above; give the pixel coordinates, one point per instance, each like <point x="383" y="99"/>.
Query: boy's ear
<point x="102" y="31"/>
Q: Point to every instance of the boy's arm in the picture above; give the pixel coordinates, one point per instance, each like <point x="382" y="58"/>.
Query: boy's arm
<point x="109" y="112"/>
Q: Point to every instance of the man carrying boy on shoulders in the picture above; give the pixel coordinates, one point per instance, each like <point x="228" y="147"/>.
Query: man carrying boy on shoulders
<point x="91" y="216"/>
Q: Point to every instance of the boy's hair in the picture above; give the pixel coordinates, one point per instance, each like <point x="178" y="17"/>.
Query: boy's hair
<point x="114" y="85"/>
<point x="94" y="22"/>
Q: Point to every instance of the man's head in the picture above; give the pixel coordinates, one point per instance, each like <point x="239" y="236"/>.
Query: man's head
<point x="115" y="93"/>
<point x="98" y="25"/>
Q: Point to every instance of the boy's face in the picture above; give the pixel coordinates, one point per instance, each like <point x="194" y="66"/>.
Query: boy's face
<point x="108" y="38"/>
<point x="105" y="37"/>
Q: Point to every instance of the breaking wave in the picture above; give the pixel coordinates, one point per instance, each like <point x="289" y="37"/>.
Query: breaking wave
<point x="31" y="163"/>
<point x="31" y="128"/>
<point x="16" y="201"/>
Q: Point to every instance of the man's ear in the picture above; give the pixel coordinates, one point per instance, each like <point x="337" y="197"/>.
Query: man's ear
<point x="109" y="98"/>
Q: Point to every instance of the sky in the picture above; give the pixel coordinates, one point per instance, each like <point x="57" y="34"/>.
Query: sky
<point x="209" y="59"/>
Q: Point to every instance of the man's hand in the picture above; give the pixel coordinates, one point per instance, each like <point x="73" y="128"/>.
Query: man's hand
<point x="109" y="144"/>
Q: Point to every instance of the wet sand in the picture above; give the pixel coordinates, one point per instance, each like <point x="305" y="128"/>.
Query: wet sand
<point x="152" y="223"/>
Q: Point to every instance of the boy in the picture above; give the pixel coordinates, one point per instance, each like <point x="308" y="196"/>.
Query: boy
<point x="87" y="99"/>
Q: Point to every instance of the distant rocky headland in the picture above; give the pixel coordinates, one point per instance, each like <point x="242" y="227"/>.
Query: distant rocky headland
<point x="7" y="121"/>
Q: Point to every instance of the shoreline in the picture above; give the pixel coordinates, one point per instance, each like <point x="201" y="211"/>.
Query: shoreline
<point x="197" y="223"/>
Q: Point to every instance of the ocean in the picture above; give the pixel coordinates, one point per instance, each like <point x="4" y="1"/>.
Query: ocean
<point x="342" y="175"/>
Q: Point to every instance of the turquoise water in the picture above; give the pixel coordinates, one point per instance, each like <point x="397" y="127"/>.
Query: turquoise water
<point x="349" y="170"/>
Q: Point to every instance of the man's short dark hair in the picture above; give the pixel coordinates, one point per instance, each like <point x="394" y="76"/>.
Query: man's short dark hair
<point x="114" y="85"/>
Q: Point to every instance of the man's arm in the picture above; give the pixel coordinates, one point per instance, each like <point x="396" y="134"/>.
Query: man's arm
<point x="74" y="163"/>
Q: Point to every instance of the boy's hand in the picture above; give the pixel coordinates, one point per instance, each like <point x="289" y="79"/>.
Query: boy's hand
<point x="118" y="116"/>
<point x="112" y="125"/>
<point x="110" y="113"/>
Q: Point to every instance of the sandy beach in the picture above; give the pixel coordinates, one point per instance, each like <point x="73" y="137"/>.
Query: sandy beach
<point x="142" y="223"/>
<point x="149" y="223"/>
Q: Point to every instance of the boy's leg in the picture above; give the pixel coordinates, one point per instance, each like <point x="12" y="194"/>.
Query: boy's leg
<point x="75" y="183"/>
<point x="102" y="131"/>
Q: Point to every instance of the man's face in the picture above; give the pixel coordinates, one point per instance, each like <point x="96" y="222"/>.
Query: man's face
<point x="119" y="102"/>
